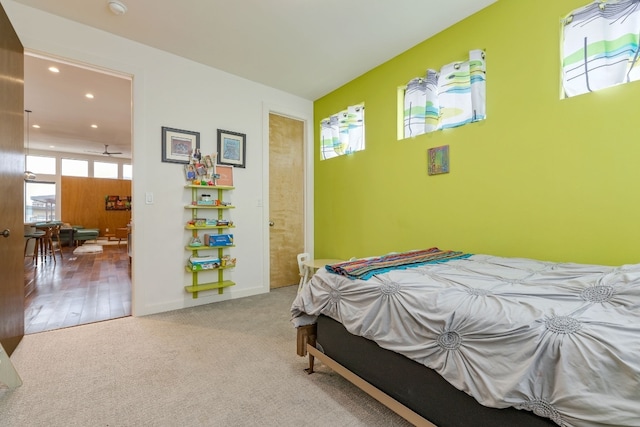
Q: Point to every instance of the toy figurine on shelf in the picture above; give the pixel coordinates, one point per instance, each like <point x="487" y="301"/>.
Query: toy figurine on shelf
<point x="195" y="241"/>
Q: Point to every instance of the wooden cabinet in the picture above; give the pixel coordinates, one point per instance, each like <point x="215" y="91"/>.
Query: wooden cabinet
<point x="210" y="239"/>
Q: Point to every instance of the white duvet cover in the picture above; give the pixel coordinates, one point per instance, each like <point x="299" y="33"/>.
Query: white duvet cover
<point x="561" y="340"/>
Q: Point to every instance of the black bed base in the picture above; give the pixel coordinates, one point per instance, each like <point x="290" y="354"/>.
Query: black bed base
<point x="415" y="386"/>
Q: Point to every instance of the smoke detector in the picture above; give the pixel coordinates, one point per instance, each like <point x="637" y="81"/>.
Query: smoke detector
<point x="117" y="7"/>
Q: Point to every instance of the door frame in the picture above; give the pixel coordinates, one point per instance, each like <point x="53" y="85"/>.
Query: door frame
<point x="136" y="75"/>
<point x="308" y="220"/>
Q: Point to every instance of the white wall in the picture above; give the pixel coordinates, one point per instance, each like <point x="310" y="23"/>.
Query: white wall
<point x="171" y="91"/>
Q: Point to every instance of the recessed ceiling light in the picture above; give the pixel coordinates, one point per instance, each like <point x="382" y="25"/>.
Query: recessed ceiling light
<point x="52" y="146"/>
<point x="35" y="126"/>
<point x="94" y="126"/>
<point x="117" y="7"/>
<point x="89" y="95"/>
<point x="54" y="69"/>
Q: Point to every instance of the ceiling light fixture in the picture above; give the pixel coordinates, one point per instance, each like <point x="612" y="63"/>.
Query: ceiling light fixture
<point x="54" y="69"/>
<point x="28" y="175"/>
<point x="89" y="95"/>
<point x="117" y="7"/>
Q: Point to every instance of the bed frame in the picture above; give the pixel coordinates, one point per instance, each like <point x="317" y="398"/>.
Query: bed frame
<point x="413" y="391"/>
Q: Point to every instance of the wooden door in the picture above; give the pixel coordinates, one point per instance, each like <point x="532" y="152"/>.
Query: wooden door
<point x="11" y="186"/>
<point x="286" y="198"/>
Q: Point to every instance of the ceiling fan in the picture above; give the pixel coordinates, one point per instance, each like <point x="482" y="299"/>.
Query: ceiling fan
<point x="106" y="151"/>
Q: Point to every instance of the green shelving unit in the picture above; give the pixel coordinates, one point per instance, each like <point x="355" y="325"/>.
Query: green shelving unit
<point x="196" y="231"/>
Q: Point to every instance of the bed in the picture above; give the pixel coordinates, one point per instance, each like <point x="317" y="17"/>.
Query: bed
<point x="453" y="339"/>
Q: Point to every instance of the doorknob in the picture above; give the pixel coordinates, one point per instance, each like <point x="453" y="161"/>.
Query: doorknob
<point x="271" y="223"/>
<point x="6" y="232"/>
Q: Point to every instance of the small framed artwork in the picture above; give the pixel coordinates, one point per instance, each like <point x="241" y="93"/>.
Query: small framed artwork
<point x="208" y="161"/>
<point x="190" y="171"/>
<point x="117" y="203"/>
<point x="178" y="145"/>
<point x="201" y="169"/>
<point x="225" y="175"/>
<point x="438" y="160"/>
<point x="231" y="148"/>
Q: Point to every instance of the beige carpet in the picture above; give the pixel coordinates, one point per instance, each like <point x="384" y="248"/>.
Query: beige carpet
<point x="231" y="363"/>
<point x="87" y="248"/>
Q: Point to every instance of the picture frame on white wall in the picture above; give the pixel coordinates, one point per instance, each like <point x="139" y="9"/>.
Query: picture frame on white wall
<point x="231" y="148"/>
<point x="178" y="145"/>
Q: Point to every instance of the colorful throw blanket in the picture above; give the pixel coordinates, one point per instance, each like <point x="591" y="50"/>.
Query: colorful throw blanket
<point x="368" y="267"/>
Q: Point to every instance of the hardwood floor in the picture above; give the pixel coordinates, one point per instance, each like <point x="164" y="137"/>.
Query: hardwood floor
<point x="77" y="289"/>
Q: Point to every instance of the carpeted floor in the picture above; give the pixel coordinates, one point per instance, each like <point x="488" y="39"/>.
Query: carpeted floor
<point x="231" y="363"/>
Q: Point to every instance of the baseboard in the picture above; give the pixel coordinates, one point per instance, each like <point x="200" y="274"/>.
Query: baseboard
<point x="206" y="297"/>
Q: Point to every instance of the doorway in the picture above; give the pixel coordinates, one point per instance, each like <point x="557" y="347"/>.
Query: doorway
<point x="80" y="111"/>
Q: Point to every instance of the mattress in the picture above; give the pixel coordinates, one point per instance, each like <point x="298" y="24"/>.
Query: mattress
<point x="417" y="387"/>
<point x="559" y="339"/>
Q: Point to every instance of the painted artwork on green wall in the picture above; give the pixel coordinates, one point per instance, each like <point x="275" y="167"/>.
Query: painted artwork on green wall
<point x="438" y="160"/>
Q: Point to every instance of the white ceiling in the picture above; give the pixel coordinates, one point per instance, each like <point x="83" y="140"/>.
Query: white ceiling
<point x="65" y="115"/>
<point x="303" y="47"/>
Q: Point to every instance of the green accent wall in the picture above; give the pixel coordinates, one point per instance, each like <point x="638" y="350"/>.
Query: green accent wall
<point x="541" y="178"/>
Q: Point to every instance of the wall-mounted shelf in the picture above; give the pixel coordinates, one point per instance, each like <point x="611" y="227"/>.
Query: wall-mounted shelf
<point x="196" y="226"/>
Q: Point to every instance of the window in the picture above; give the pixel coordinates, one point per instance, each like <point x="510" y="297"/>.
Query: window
<point x="39" y="201"/>
<point x="451" y="97"/>
<point x="600" y="46"/>
<point x="342" y="133"/>
<point x="72" y="167"/>
<point x="105" y="170"/>
<point x="127" y="172"/>
<point x="41" y="165"/>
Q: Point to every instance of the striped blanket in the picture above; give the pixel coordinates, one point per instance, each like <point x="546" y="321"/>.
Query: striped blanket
<point x="368" y="267"/>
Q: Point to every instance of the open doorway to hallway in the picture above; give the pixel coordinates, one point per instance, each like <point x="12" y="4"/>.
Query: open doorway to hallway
<point x="79" y="144"/>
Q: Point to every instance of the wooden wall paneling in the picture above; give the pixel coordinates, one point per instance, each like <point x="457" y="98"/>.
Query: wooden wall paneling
<point x="83" y="202"/>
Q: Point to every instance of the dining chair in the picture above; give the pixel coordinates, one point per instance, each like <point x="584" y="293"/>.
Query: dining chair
<point x="55" y="239"/>
<point x="36" y="236"/>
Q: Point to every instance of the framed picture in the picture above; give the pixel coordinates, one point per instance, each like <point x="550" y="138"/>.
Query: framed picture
<point x="438" y="160"/>
<point x="117" y="203"/>
<point x="231" y="148"/>
<point x="178" y="145"/>
<point x="201" y="169"/>
<point x="190" y="171"/>
<point x="226" y="175"/>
